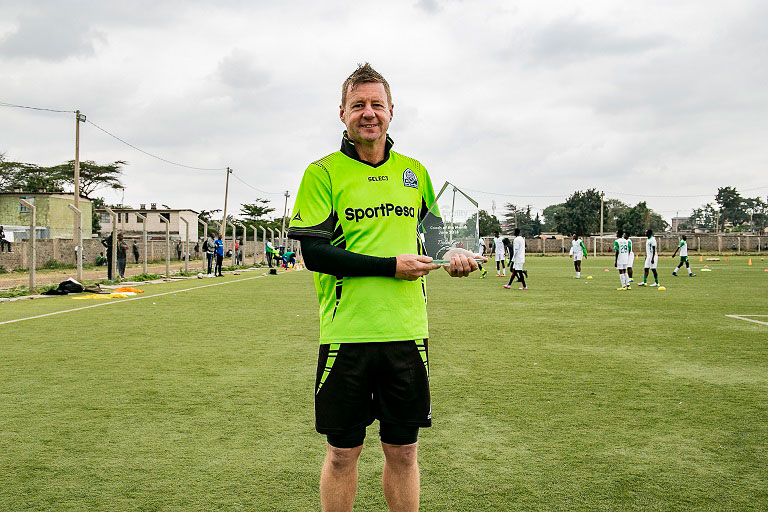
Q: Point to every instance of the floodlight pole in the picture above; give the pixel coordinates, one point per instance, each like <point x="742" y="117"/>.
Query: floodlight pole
<point x="167" y="246"/>
<point x="143" y="241"/>
<point x="32" y="248"/>
<point x="186" y="246"/>
<point x="113" y="260"/>
<point x="78" y="241"/>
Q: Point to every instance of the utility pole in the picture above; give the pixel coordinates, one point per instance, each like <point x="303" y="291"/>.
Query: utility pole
<point x="602" y="200"/>
<point x="285" y="212"/>
<point x="77" y="232"/>
<point x="223" y="229"/>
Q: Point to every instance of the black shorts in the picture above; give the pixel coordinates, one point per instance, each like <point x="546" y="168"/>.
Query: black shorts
<point x="359" y="382"/>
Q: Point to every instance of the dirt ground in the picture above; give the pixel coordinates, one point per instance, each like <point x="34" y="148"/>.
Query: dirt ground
<point x="48" y="277"/>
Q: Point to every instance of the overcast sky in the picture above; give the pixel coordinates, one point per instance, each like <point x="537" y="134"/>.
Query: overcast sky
<point x="527" y="98"/>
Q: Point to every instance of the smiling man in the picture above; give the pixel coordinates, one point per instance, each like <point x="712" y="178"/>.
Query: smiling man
<point x="356" y="215"/>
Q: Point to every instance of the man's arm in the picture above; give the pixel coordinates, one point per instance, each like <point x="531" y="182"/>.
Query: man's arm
<point x="321" y="256"/>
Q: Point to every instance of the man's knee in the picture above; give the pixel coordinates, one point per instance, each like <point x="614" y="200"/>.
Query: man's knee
<point x="401" y="455"/>
<point x="342" y="459"/>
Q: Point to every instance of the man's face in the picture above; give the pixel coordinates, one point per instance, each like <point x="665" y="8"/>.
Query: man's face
<point x="367" y="113"/>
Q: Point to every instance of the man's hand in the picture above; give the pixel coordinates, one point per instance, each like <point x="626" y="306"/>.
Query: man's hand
<point x="462" y="262"/>
<point x="412" y="266"/>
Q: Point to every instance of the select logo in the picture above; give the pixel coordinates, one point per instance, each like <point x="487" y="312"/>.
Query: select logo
<point x="378" y="178"/>
<point x="383" y="210"/>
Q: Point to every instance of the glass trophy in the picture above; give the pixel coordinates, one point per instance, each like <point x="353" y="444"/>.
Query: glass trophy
<point x="452" y="221"/>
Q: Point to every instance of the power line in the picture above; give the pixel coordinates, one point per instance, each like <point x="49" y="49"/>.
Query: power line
<point x="607" y="192"/>
<point x="254" y="188"/>
<point x="4" y="104"/>
<point x="155" y="156"/>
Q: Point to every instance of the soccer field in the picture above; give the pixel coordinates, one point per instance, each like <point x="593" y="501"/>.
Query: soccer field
<point x="568" y="396"/>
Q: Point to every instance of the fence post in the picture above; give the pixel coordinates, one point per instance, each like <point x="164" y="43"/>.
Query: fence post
<point x="78" y="241"/>
<point x="31" y="247"/>
<point x="719" y="243"/>
<point x="186" y="244"/>
<point x="272" y="236"/>
<point x="167" y="246"/>
<point x="255" y="243"/>
<point x="245" y="239"/>
<point x="143" y="241"/>
<point x="113" y="260"/>
<point x="205" y="237"/>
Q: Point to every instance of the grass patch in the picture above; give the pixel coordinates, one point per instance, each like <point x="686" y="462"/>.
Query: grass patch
<point x="568" y="396"/>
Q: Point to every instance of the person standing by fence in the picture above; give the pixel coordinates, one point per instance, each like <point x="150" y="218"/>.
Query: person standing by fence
<point x="219" y="244"/>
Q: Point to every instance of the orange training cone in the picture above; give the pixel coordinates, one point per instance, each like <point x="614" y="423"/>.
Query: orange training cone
<point x="749" y="262"/>
<point x="701" y="258"/>
<point x="726" y="260"/>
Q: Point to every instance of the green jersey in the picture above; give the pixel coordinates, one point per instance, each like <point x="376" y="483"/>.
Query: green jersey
<point x="372" y="210"/>
<point x="683" y="246"/>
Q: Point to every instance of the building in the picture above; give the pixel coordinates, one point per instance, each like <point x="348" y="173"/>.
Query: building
<point x="131" y="225"/>
<point x="53" y="216"/>
<point x="677" y="222"/>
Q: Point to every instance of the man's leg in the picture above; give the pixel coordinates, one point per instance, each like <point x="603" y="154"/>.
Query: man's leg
<point x="400" y="478"/>
<point x="629" y="272"/>
<point x="521" y="278"/>
<point x="655" y="275"/>
<point x="338" y="481"/>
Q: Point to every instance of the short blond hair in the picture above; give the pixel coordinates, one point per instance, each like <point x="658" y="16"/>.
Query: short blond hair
<point x="364" y="74"/>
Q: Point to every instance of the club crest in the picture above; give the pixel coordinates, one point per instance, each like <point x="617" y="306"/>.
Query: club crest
<point x="410" y="179"/>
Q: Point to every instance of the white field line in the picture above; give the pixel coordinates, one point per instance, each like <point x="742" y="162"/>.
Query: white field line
<point x="123" y="301"/>
<point x="744" y="317"/>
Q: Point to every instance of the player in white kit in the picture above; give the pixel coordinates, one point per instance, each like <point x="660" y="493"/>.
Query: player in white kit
<point x="683" y="248"/>
<point x="518" y="259"/>
<point x="651" y="259"/>
<point x="481" y="252"/>
<point x="630" y="259"/>
<point x="501" y="253"/>
<point x="622" y="247"/>
<point x="579" y="252"/>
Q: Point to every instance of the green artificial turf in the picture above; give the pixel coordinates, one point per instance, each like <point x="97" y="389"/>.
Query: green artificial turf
<point x="567" y="396"/>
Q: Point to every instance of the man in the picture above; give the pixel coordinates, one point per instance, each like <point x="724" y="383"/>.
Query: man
<point x="622" y="247"/>
<point x="517" y="259"/>
<point x="107" y="243"/>
<point x="651" y="259"/>
<point x="135" y="249"/>
<point x="219" y="245"/>
<point x="481" y="252"/>
<point x="578" y="251"/>
<point x="501" y="253"/>
<point x="209" y="246"/>
<point x="683" y="248"/>
<point x="630" y="258"/>
<point x="122" y="255"/>
<point x="4" y="244"/>
<point x="271" y="253"/>
<point x="356" y="216"/>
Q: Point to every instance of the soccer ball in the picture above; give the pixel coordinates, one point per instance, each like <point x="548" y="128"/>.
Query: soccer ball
<point x="199" y="275"/>
<point x="661" y="288"/>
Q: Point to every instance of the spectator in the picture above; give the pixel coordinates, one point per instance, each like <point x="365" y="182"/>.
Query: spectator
<point x="122" y="253"/>
<point x="178" y="250"/>
<point x="101" y="260"/>
<point x="197" y="249"/>
<point x="219" y="255"/>
<point x="209" y="247"/>
<point x="4" y="244"/>
<point x="135" y="252"/>
<point x="107" y="242"/>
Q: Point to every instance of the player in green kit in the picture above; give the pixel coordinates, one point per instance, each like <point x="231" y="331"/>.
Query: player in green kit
<point x="622" y="247"/>
<point x="651" y="259"/>
<point x="683" y="248"/>
<point x="356" y="216"/>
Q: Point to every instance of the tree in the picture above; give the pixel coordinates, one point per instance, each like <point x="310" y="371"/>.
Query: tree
<point x="613" y="209"/>
<point x="488" y="224"/>
<point x="581" y="213"/>
<point x="639" y="218"/>
<point x="256" y="210"/>
<point x="703" y="217"/>
<point x="519" y="217"/>
<point x="93" y="176"/>
<point x="548" y="223"/>
<point x="733" y="207"/>
<point x="206" y="216"/>
<point x="30" y="178"/>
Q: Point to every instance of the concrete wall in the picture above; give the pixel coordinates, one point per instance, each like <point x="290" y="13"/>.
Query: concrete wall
<point x="63" y="251"/>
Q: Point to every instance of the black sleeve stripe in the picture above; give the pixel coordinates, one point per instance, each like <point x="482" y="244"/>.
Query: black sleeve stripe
<point x="296" y="233"/>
